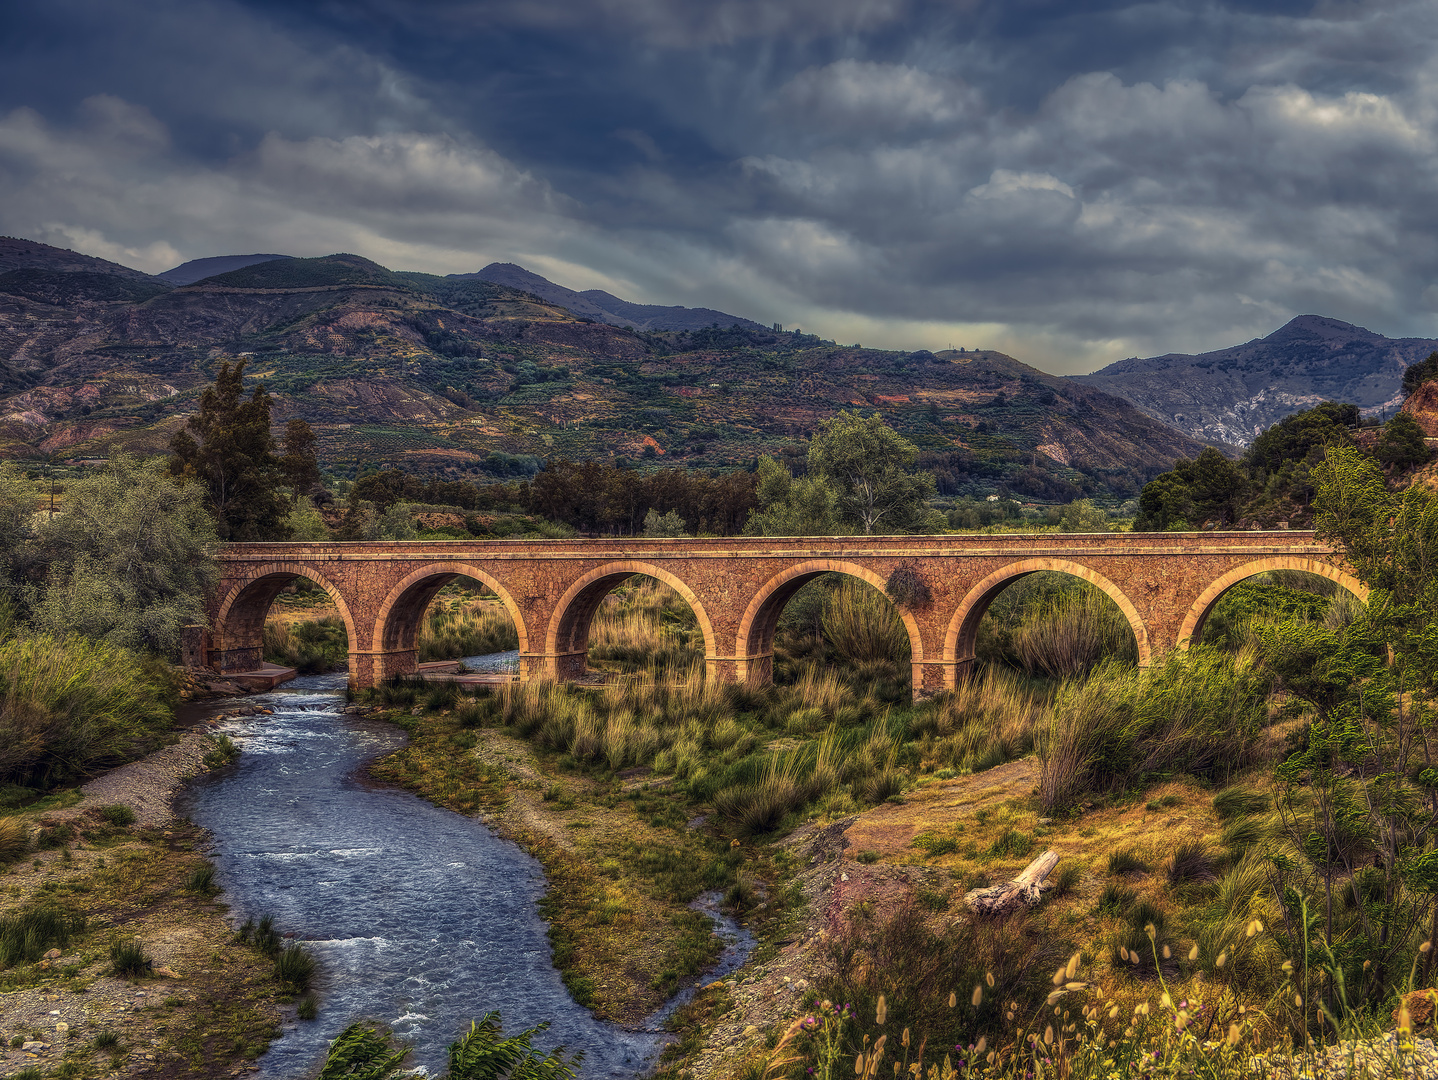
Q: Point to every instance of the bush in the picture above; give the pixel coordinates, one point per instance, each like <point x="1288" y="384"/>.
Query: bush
<point x="308" y="1007"/>
<point x="987" y="720"/>
<point x="1125" y="861"/>
<point x="118" y="814"/>
<point x="225" y="751"/>
<point x="1191" y="861"/>
<point x="311" y="648"/>
<point x="1068" y="639"/>
<point x="128" y="959"/>
<point x="67" y="705"/>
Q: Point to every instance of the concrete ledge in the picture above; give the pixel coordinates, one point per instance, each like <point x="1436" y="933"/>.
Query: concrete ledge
<point x="267" y="677"/>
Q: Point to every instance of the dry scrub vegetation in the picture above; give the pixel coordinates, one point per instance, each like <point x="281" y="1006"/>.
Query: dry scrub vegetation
<point x="1190" y="919"/>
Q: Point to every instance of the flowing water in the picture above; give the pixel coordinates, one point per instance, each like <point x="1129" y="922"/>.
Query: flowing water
<point x="419" y="917"/>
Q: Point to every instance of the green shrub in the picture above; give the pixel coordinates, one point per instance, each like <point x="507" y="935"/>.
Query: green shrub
<point x="861" y="623"/>
<point x="118" y="814"/>
<point x="308" y="1007"/>
<point x="68" y="705"/>
<point x="311" y="648"/>
<point x="225" y="751"/>
<point x="128" y="959"/>
<point x="105" y="1040"/>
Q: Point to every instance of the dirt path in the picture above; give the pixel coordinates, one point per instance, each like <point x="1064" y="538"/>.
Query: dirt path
<point x="769" y="993"/>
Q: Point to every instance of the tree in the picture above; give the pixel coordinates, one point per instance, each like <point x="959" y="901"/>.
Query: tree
<point x="300" y="465"/>
<point x="1300" y="438"/>
<point x="1208" y="488"/>
<point x="228" y="448"/>
<point x="807" y="506"/>
<point x="1402" y="446"/>
<point x="1360" y="789"/>
<point x="1418" y="374"/>
<point x="872" y="470"/>
<point x="663" y="525"/>
<point x="1082" y="516"/>
<point x="130" y="560"/>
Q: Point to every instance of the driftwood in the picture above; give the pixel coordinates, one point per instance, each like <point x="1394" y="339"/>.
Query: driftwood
<point x="1027" y="888"/>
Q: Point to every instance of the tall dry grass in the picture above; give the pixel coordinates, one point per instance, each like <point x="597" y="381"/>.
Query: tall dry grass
<point x="310" y="646"/>
<point x="862" y="623"/>
<point x="1068" y="639"/>
<point x="990" y="718"/>
<point x="1202" y="712"/>
<point x="68" y="705"/>
<point x="644" y="625"/>
<point x="465" y="626"/>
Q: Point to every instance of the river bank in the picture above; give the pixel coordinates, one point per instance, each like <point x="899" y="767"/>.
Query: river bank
<point x="208" y="1006"/>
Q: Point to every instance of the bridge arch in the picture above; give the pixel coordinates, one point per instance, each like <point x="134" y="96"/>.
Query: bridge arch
<point x="397" y="625"/>
<point x="1198" y="614"/>
<point x="566" y="644"/>
<point x="239" y="631"/>
<point x="754" y="645"/>
<point x="963" y="632"/>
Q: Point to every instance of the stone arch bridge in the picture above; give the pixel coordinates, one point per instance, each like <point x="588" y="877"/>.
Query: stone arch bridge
<point x="1164" y="583"/>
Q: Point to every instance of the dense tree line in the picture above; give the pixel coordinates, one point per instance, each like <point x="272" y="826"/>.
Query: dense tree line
<point x="1273" y="480"/>
<point x="591" y="496"/>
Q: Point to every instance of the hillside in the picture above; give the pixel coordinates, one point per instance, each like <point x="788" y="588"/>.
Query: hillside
<point x="1230" y="395"/>
<point x="606" y="307"/>
<point x="463" y="377"/>
<point x="199" y="269"/>
<point x="20" y="254"/>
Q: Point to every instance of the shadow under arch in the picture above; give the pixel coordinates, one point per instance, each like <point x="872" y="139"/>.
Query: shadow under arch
<point x="1192" y="627"/>
<point x="566" y="645"/>
<point x="754" y="646"/>
<point x="963" y="630"/>
<point x="239" y="631"/>
<point x="397" y="624"/>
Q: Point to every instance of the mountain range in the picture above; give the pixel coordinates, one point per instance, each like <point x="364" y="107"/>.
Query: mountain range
<point x="1230" y="395"/>
<point x="463" y="376"/>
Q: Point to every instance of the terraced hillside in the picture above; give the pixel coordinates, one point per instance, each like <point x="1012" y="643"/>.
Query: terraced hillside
<point x="466" y="377"/>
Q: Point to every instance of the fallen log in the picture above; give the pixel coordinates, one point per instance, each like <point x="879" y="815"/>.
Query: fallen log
<point x="1027" y="888"/>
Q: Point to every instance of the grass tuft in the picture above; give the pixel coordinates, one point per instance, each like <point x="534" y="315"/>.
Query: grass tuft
<point x="1126" y="860"/>
<point x="128" y="959"/>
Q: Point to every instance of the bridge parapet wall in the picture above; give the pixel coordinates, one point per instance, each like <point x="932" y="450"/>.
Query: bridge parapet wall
<point x="1164" y="583"/>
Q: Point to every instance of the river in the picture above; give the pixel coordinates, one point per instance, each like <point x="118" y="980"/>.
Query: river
<point x="419" y="917"/>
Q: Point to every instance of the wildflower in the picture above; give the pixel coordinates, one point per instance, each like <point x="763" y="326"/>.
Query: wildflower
<point x="1150" y="930"/>
<point x="989" y="978"/>
<point x="1167" y="954"/>
<point x="1072" y="969"/>
<point x="1222" y="959"/>
<point x="979" y="1046"/>
<point x="1049" y="1035"/>
<point x="1234" y="1034"/>
<point x="978" y="995"/>
<point x="1298" y="1000"/>
<point x="1193" y="953"/>
<point x="1425" y="946"/>
<point x="953" y="998"/>
<point x="882" y="1012"/>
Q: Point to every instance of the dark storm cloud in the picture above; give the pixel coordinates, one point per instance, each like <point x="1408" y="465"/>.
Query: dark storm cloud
<point x="1073" y="181"/>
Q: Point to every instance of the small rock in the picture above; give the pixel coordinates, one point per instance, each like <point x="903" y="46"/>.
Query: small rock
<point x="750" y="1030"/>
<point x="62" y="1027"/>
<point x="169" y="973"/>
<point x="53" y="954"/>
<point x="32" y="1045"/>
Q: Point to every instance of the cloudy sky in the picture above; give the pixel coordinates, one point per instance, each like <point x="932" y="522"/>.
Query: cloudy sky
<point x="1071" y="181"/>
